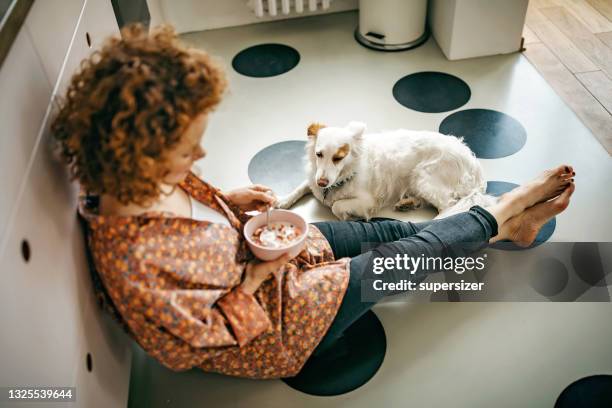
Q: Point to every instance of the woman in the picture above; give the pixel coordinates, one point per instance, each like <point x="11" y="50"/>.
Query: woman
<point x="168" y="246"/>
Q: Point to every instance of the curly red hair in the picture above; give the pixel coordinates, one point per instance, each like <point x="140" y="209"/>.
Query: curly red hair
<point x="128" y="104"/>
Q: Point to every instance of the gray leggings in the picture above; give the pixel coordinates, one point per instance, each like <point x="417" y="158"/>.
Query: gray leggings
<point x="457" y="235"/>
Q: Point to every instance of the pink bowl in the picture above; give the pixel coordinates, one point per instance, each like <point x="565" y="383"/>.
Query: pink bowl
<point x="269" y="254"/>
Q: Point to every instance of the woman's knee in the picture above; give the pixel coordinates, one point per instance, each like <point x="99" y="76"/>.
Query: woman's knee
<point x="394" y="230"/>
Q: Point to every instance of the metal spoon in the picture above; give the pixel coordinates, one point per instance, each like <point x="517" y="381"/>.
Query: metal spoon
<point x="268" y="209"/>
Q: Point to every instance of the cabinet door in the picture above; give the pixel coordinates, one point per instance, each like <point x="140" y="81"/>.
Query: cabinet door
<point x="96" y="24"/>
<point x="52" y="328"/>
<point x="25" y="96"/>
<point x="50" y="319"/>
<point x="51" y="24"/>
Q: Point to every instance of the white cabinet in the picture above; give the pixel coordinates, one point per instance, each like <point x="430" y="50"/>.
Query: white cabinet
<point x="97" y="23"/>
<point x="28" y="77"/>
<point x="25" y="96"/>
<point x="51" y="24"/>
<point x="476" y="28"/>
<point x="50" y="319"/>
<point x="49" y="314"/>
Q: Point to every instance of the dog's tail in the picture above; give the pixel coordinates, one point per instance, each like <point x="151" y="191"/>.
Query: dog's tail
<point x="475" y="198"/>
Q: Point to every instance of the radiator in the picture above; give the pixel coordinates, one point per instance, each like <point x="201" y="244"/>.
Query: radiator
<point x="272" y="8"/>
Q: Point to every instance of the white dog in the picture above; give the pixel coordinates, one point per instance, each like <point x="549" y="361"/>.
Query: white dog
<point x="358" y="174"/>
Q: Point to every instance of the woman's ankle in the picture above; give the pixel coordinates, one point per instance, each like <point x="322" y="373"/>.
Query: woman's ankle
<point x="501" y="212"/>
<point x="488" y="218"/>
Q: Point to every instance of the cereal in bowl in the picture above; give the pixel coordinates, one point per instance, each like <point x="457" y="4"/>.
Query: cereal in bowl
<point x="276" y="235"/>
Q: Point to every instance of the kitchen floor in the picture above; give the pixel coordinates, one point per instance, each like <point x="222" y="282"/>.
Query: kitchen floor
<point x="570" y="44"/>
<point x="498" y="354"/>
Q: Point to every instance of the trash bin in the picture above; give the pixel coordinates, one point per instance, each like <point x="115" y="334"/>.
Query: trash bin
<point x="392" y="25"/>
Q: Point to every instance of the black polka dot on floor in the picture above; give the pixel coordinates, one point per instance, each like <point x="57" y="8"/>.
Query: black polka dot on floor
<point x="497" y="188"/>
<point x="587" y="262"/>
<point x="348" y="364"/>
<point x="588" y="392"/>
<point x="445" y="296"/>
<point x="490" y="134"/>
<point x="431" y="92"/>
<point x="266" y="60"/>
<point x="279" y="166"/>
<point x="549" y="277"/>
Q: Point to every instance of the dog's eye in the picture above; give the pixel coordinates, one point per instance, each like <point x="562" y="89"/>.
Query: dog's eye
<point x="336" y="159"/>
<point x="319" y="154"/>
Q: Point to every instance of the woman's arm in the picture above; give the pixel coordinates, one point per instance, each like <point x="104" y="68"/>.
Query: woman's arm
<point x="245" y="315"/>
<point x="258" y="273"/>
<point x="200" y="316"/>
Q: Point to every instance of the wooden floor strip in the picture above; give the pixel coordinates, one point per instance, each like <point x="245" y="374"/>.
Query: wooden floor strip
<point x="600" y="85"/>
<point x="586" y="41"/>
<point x="545" y="3"/>
<point x="606" y="38"/>
<point x="575" y="95"/>
<point x="591" y="18"/>
<point x="562" y="47"/>
<point x="529" y="36"/>
<point x="603" y="6"/>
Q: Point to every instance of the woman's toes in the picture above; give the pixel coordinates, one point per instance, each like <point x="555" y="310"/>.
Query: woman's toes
<point x="556" y="180"/>
<point x="563" y="172"/>
<point x="569" y="172"/>
<point x="558" y="171"/>
<point x="567" y="169"/>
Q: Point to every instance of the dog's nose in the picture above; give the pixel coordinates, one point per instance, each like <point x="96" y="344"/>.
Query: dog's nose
<point x="322" y="182"/>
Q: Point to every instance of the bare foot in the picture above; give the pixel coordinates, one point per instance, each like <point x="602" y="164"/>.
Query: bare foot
<point x="547" y="185"/>
<point x="523" y="228"/>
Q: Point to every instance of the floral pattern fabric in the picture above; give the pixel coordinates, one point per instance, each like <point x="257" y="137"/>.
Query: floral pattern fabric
<point x="173" y="284"/>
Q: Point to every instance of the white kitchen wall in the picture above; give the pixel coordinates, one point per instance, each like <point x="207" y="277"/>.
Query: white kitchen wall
<point x="50" y="319"/>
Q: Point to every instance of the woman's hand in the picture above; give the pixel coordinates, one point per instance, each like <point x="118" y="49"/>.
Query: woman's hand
<point x="258" y="273"/>
<point x="255" y="197"/>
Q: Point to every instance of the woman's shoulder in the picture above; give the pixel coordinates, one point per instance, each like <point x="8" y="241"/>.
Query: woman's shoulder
<point x="110" y="207"/>
<point x="178" y="204"/>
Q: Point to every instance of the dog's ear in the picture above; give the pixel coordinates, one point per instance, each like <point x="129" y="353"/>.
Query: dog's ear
<point x="357" y="128"/>
<point x="313" y="129"/>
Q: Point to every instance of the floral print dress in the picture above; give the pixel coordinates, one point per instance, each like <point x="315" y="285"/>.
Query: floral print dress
<point x="172" y="282"/>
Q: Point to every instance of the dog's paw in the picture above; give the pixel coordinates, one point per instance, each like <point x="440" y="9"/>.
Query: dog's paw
<point x="343" y="215"/>
<point x="341" y="212"/>
<point x="283" y="203"/>
<point x="408" y="203"/>
<point x="347" y="213"/>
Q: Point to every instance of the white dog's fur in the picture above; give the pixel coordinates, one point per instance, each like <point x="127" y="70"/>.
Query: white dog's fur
<point x="404" y="168"/>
